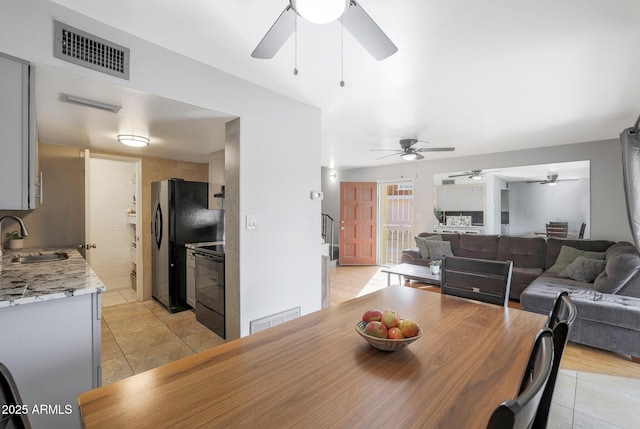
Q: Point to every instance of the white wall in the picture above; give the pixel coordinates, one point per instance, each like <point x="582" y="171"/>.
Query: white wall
<point x="608" y="207"/>
<point x="276" y="171"/>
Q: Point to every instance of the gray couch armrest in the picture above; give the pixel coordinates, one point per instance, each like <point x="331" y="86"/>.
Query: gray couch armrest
<point x="412" y="256"/>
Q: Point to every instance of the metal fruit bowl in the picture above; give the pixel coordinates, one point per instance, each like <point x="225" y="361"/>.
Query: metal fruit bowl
<point x="385" y="344"/>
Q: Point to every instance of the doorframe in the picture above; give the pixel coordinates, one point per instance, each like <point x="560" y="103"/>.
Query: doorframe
<point x="139" y="237"/>
<point x="379" y="220"/>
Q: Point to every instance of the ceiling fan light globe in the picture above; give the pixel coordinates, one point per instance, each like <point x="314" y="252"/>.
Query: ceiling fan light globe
<point x="409" y="156"/>
<point x="552" y="183"/>
<point x="475" y="177"/>
<point x="320" y="11"/>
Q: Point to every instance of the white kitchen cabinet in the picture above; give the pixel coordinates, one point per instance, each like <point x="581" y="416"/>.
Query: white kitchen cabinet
<point x="216" y="179"/>
<point x="17" y="135"/>
<point x="52" y="349"/>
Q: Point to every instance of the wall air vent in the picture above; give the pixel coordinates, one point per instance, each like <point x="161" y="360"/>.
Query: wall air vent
<point x="449" y="182"/>
<point x="87" y="50"/>
<point x="273" y="320"/>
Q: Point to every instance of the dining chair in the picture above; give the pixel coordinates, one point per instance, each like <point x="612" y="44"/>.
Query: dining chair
<point x="10" y="418"/>
<point x="479" y="279"/>
<point x="520" y="412"/>
<point x="557" y="229"/>
<point x="559" y="322"/>
<point x="581" y="233"/>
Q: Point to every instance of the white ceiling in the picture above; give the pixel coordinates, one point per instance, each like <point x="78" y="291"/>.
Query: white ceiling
<point x="483" y="76"/>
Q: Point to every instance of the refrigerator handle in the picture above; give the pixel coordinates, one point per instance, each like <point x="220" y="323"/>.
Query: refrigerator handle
<point x="157" y="225"/>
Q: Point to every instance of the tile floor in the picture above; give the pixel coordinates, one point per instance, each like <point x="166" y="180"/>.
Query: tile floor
<point x="138" y="336"/>
<point x="584" y="400"/>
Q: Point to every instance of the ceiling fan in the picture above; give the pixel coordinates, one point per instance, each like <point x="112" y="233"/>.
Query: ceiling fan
<point x="349" y="12"/>
<point x="473" y="174"/>
<point x="409" y="153"/>
<point x="551" y="180"/>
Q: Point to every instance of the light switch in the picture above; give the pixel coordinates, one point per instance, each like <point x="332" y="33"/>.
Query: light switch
<point x="252" y="222"/>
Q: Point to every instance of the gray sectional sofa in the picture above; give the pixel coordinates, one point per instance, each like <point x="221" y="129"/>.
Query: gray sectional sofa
<point x="608" y="306"/>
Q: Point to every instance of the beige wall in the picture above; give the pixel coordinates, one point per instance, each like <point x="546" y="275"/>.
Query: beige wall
<point x="60" y="219"/>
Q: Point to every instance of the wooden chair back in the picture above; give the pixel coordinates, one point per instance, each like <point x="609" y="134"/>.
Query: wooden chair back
<point x="557" y="229"/>
<point x="10" y="418"/>
<point x="519" y="413"/>
<point x="479" y="279"/>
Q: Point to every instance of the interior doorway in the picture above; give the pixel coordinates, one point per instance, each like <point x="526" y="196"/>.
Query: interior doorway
<point x="113" y="246"/>
<point x="358" y="218"/>
<point x="395" y="228"/>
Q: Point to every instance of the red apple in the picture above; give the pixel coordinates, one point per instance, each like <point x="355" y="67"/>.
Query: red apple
<point x="390" y="319"/>
<point x="376" y="329"/>
<point x="395" y="333"/>
<point x="371" y="316"/>
<point x="409" y="328"/>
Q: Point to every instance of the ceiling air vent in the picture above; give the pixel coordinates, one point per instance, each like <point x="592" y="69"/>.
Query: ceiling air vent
<point x="449" y="182"/>
<point x="87" y="50"/>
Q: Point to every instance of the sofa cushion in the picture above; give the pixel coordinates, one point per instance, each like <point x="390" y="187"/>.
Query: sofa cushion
<point x="452" y="238"/>
<point x="555" y="244"/>
<point x="478" y="246"/>
<point x="439" y="249"/>
<point x="525" y="252"/>
<point x="584" y="269"/>
<point x="521" y="278"/>
<point x="569" y="254"/>
<point x="621" y="274"/>
<point x="421" y="242"/>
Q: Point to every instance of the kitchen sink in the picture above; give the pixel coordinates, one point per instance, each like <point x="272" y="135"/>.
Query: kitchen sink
<point x="40" y="257"/>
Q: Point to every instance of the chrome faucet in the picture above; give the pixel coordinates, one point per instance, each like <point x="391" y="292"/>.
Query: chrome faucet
<point x="23" y="230"/>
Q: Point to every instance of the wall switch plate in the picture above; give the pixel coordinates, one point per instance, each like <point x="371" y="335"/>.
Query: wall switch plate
<point x="252" y="222"/>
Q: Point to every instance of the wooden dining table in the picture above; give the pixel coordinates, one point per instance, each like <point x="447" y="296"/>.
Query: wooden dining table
<point x="317" y="372"/>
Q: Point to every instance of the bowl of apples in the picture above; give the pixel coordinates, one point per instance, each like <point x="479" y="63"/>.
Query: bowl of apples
<point x="386" y="331"/>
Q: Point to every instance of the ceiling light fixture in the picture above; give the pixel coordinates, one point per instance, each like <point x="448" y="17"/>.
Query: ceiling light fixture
<point x="320" y="11"/>
<point x="475" y="176"/>
<point x="90" y="103"/>
<point x="133" y="140"/>
<point x="554" y="183"/>
<point x="409" y="156"/>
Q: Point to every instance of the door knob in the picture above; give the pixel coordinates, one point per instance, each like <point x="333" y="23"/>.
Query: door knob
<point x="90" y="246"/>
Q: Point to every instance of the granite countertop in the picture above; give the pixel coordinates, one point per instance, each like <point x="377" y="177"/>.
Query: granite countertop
<point x="28" y="283"/>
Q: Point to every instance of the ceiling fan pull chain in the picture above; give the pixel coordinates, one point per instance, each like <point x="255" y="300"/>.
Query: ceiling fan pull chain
<point x="295" y="53"/>
<point x="342" y="55"/>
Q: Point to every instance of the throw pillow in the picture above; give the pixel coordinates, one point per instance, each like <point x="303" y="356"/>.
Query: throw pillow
<point x="584" y="269"/>
<point x="421" y="242"/>
<point x="439" y="249"/>
<point x="569" y="254"/>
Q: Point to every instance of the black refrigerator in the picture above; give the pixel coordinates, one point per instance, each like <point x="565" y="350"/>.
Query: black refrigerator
<point x="180" y="215"/>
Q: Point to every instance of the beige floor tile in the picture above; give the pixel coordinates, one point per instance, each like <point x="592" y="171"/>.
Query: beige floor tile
<point x="565" y="391"/>
<point x="137" y="341"/>
<point x="166" y="316"/>
<point x="161" y="354"/>
<point x="123" y="312"/>
<point x="153" y="305"/>
<point x="184" y="327"/>
<point x="609" y="405"/>
<point x="560" y="417"/>
<point x="129" y="295"/>
<point x="110" y="299"/>
<point x="136" y="324"/>
<point x="110" y="348"/>
<point x="203" y="341"/>
<point x="584" y="421"/>
<point x="115" y="369"/>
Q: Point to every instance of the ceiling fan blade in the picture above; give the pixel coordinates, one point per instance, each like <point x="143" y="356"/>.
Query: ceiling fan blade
<point x="407" y="143"/>
<point x="367" y="32"/>
<point x="436" y="149"/>
<point x="536" y="181"/>
<point x="419" y="157"/>
<point x="387" y="156"/>
<point x="567" y="180"/>
<point x="459" y="175"/>
<point x="385" y="150"/>
<point x="277" y="35"/>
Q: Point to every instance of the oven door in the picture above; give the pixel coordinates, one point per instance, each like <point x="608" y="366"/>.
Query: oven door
<point x="210" y="281"/>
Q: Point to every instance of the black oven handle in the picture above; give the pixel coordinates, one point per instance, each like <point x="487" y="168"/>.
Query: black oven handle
<point x="208" y="256"/>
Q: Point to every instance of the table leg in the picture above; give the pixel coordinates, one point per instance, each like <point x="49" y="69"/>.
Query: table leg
<point x="388" y="279"/>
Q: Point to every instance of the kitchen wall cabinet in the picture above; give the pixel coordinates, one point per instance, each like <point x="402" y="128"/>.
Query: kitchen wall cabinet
<point x="17" y="134"/>
<point x="216" y="179"/>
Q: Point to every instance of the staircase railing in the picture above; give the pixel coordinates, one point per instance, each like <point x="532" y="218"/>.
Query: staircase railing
<point x="327" y="232"/>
